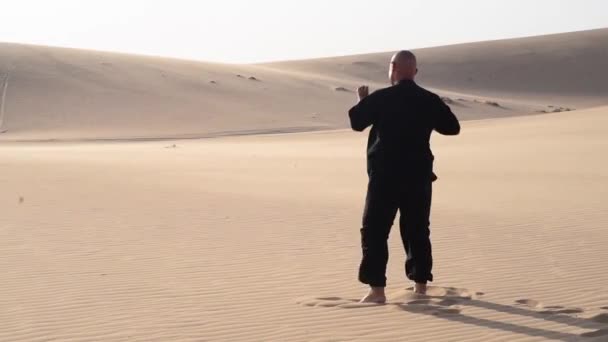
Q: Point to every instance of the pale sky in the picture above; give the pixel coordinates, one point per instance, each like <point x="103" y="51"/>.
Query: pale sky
<point x="237" y="31"/>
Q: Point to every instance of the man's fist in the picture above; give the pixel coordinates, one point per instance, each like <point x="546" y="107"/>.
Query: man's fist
<point x="363" y="92"/>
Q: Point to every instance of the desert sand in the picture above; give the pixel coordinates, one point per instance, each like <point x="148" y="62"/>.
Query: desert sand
<point x="143" y="199"/>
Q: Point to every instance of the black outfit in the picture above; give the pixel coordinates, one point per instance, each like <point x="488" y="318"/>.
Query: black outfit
<point x="400" y="169"/>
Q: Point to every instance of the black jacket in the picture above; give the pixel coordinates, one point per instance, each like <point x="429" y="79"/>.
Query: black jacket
<point x="402" y="118"/>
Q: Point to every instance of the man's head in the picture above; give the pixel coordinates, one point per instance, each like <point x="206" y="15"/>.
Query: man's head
<point x="403" y="67"/>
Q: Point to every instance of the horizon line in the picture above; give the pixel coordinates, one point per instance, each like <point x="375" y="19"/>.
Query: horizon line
<point x="272" y="61"/>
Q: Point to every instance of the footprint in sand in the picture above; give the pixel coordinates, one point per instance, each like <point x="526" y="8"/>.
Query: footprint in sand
<point x="357" y="305"/>
<point x="428" y="308"/>
<point x="530" y="303"/>
<point x="331" y="302"/>
<point x="450" y="311"/>
<point x="561" y="311"/>
<point x="420" y="302"/>
<point x="449" y="302"/>
<point x="437" y="301"/>
<point x="438" y="291"/>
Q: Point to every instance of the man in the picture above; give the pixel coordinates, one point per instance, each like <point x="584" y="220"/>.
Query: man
<point x="400" y="170"/>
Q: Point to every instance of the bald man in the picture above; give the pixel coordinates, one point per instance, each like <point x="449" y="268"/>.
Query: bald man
<point x="400" y="170"/>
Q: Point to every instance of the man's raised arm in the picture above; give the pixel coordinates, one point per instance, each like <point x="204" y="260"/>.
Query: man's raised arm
<point x="362" y="114"/>
<point x="446" y="122"/>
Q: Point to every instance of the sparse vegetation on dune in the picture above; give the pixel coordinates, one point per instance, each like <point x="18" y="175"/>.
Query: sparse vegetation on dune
<point x="342" y="89"/>
<point x="447" y="100"/>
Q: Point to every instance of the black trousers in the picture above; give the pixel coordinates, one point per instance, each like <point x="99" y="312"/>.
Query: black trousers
<point x="385" y="197"/>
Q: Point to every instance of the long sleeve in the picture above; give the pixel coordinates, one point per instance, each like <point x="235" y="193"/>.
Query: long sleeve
<point x="362" y="115"/>
<point x="446" y="122"/>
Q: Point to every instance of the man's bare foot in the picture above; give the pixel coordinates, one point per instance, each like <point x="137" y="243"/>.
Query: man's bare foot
<point x="375" y="295"/>
<point x="420" y="288"/>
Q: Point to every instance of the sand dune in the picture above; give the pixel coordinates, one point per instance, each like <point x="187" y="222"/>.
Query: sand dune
<point x="66" y="94"/>
<point x="124" y="230"/>
<point x="570" y="68"/>
<point x="243" y="239"/>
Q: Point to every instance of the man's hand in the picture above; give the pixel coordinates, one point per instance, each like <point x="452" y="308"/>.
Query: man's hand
<point x="362" y="92"/>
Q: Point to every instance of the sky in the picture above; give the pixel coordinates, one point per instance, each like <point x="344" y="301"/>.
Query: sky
<point x="247" y="31"/>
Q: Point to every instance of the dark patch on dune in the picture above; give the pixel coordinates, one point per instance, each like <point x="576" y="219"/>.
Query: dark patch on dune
<point x="363" y="63"/>
<point x="560" y="109"/>
<point x="252" y="78"/>
<point x="447" y="100"/>
<point x="342" y="89"/>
